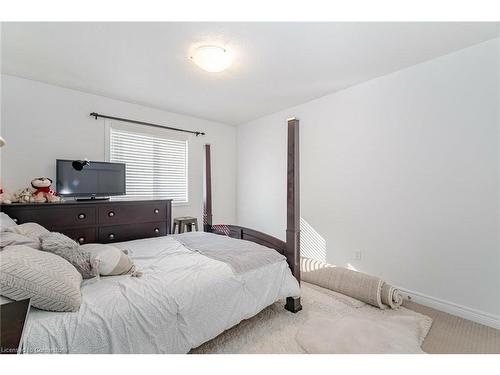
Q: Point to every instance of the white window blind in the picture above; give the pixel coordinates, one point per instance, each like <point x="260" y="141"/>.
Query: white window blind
<point x="156" y="166"/>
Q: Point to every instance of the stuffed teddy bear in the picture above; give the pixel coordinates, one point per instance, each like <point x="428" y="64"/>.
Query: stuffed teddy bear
<point x="5" y="197"/>
<point x="43" y="193"/>
<point x="24" y="196"/>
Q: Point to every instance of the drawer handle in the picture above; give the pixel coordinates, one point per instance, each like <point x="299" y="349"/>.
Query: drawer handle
<point x="82" y="216"/>
<point x="157" y="230"/>
<point x="111" y="236"/>
<point x="111" y="214"/>
<point x="156" y="211"/>
<point x="81" y="239"/>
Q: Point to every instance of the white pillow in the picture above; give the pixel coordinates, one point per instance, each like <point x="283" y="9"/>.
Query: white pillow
<point x="6" y="221"/>
<point x="112" y="261"/>
<point x="13" y="239"/>
<point x="65" y="247"/>
<point x="31" y="230"/>
<point x="51" y="282"/>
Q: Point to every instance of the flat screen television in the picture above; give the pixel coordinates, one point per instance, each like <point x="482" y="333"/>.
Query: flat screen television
<point x="89" y="179"/>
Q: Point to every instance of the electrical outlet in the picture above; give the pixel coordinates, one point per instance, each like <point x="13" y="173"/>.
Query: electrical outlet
<point x="357" y="255"/>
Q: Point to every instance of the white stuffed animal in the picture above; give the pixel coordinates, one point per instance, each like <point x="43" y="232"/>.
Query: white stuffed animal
<point x="23" y="196"/>
<point x="5" y="197"/>
<point x="43" y="192"/>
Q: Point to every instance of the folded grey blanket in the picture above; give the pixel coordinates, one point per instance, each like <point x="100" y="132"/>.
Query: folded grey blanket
<point x="241" y="255"/>
<point x="366" y="288"/>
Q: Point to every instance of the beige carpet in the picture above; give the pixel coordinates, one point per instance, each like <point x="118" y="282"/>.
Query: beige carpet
<point x="367" y="329"/>
<point x="451" y="334"/>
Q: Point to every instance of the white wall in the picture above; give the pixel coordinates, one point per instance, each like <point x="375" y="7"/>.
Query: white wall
<point x="404" y="168"/>
<point x="42" y="122"/>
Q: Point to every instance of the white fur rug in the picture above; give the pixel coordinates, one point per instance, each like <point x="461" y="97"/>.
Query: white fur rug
<point x="329" y="323"/>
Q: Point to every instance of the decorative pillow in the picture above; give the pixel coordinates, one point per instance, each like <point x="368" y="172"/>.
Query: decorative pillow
<point x="112" y="260"/>
<point x="13" y="239"/>
<point x="31" y="230"/>
<point x="6" y="221"/>
<point x="65" y="247"/>
<point x="51" y="282"/>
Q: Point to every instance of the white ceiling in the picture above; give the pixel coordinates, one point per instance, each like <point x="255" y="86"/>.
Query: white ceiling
<point x="277" y="65"/>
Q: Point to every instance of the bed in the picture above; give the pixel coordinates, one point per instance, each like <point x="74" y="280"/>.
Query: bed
<point x="182" y="300"/>
<point x="187" y="294"/>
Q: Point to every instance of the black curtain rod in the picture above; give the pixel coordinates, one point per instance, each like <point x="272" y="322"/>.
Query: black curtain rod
<point x="96" y="115"/>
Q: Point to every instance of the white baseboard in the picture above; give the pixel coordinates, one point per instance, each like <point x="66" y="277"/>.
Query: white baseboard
<point x="453" y="308"/>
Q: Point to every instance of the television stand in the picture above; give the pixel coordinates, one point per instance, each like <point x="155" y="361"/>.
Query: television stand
<point x="92" y="199"/>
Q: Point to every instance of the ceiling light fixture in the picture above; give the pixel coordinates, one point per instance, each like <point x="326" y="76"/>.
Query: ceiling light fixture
<point x="213" y="59"/>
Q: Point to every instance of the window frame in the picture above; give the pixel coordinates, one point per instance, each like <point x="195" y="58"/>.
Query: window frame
<point x="120" y="125"/>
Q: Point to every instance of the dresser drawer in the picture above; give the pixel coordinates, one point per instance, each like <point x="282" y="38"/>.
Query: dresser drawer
<point x="80" y="235"/>
<point x="132" y="213"/>
<point x="118" y="233"/>
<point x="52" y="217"/>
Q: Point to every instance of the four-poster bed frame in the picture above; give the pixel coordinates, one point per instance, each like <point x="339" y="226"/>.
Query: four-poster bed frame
<point x="291" y="248"/>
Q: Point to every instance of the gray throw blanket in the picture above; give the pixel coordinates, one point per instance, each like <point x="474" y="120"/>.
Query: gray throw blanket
<point x="358" y="285"/>
<point x="241" y="255"/>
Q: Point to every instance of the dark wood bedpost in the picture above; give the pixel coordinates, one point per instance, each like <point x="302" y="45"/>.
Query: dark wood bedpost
<point x="207" y="192"/>
<point x="292" y="250"/>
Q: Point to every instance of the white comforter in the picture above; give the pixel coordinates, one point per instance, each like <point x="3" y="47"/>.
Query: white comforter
<point x="182" y="300"/>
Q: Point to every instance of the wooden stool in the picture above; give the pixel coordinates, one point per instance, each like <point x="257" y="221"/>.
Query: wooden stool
<point x="185" y="224"/>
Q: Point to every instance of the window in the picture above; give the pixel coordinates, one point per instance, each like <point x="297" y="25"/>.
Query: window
<point x="157" y="166"/>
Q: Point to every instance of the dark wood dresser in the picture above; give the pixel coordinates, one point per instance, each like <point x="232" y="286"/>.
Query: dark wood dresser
<point x="98" y="221"/>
